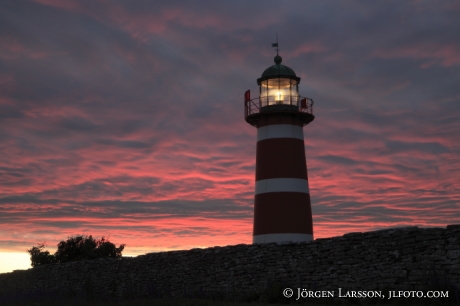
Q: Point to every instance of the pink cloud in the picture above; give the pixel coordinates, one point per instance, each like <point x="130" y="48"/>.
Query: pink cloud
<point x="64" y="4"/>
<point x="447" y="55"/>
<point x="313" y="47"/>
<point x="10" y="47"/>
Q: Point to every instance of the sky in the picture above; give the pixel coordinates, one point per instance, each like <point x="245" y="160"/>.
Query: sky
<point x="125" y="119"/>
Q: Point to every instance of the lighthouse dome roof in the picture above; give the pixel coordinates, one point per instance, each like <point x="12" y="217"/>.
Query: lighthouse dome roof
<point x="278" y="71"/>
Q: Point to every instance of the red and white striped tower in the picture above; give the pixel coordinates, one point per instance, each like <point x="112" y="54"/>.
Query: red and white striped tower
<point x="282" y="207"/>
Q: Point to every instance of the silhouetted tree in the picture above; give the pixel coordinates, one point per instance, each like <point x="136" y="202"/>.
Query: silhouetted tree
<point x="39" y="257"/>
<point x="79" y="247"/>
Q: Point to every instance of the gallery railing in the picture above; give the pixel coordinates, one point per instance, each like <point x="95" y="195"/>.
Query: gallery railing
<point x="275" y="104"/>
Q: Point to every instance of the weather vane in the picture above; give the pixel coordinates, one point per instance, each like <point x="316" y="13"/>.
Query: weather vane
<point x="276" y="44"/>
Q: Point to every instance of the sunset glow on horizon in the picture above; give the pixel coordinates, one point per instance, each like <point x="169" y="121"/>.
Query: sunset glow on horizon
<point x="125" y="120"/>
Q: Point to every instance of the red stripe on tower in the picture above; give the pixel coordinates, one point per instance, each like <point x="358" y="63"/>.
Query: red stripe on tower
<point x="282" y="206"/>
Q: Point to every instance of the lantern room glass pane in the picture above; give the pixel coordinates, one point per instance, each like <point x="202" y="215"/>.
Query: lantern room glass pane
<point x="279" y="91"/>
<point x="264" y="93"/>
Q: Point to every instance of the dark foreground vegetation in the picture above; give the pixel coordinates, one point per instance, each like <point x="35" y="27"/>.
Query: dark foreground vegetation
<point x="75" y="248"/>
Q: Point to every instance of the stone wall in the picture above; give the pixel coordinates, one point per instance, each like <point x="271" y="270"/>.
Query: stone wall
<point x="399" y="259"/>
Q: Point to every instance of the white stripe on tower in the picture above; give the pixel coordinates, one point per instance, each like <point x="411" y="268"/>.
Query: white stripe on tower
<point x="280" y="131"/>
<point x="282" y="185"/>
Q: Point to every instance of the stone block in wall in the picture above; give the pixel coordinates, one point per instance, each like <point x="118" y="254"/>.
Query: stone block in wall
<point x="453" y="254"/>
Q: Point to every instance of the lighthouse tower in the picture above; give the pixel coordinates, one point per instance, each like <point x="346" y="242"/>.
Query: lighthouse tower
<point x="282" y="207"/>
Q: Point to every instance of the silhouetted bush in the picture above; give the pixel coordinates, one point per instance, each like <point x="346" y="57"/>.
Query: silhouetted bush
<point x="79" y="247"/>
<point x="39" y="257"/>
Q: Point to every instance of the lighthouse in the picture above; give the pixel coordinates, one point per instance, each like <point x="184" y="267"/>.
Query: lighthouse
<point x="282" y="206"/>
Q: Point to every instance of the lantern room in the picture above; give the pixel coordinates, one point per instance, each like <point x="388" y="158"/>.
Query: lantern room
<point x="278" y="93"/>
<point x="278" y="85"/>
